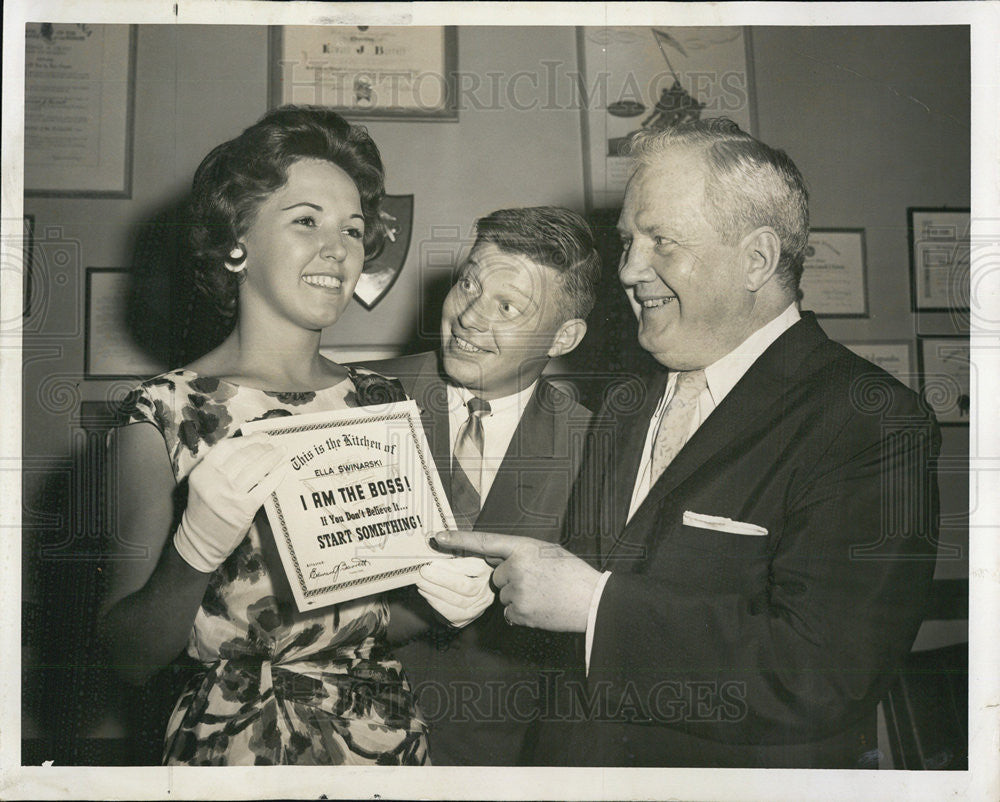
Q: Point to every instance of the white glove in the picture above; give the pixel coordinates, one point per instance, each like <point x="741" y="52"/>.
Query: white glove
<point x="459" y="589"/>
<point x="225" y="490"/>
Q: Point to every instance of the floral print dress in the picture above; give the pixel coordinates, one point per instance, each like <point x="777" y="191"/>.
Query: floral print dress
<point x="278" y="686"/>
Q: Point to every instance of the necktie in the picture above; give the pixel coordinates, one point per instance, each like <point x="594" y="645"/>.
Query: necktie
<point x="467" y="465"/>
<point x="676" y="421"/>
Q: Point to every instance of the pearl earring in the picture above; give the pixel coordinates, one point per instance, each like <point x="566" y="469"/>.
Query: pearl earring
<point x="237" y="255"/>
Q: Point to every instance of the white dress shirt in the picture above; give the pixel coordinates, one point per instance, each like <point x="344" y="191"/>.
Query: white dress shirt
<point x="721" y="377"/>
<point x="498" y="427"/>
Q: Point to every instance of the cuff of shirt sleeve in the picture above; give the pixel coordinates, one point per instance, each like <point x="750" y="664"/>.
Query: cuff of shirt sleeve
<point x="595" y="602"/>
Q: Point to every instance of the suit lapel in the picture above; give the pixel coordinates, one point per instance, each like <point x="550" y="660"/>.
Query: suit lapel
<point x="515" y="486"/>
<point x="429" y="390"/>
<point x="758" y="391"/>
<point x="625" y="449"/>
<point x="630" y="439"/>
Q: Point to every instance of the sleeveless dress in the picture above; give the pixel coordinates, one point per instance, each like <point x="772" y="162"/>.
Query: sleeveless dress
<point x="278" y="686"/>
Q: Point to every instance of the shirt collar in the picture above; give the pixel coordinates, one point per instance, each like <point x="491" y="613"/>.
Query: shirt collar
<point x="723" y="374"/>
<point x="508" y="404"/>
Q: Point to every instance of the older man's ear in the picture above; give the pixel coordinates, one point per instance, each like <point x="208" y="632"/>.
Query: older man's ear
<point x="567" y="337"/>
<point x="761" y="252"/>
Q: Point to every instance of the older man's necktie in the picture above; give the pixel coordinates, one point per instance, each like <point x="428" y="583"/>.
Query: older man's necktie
<point x="467" y="465"/>
<point x="675" y="425"/>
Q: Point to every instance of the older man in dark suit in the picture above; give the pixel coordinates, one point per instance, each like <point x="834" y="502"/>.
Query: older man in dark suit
<point x="507" y="444"/>
<point x="765" y="526"/>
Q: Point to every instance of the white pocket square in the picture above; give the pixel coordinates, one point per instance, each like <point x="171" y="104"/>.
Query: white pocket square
<point x="720" y="524"/>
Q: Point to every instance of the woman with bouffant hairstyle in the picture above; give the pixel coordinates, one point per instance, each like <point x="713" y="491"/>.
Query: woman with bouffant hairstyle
<point x="236" y="175"/>
<point x="284" y="216"/>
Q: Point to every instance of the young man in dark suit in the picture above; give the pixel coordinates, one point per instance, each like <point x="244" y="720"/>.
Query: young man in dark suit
<point x="767" y="519"/>
<point x="507" y="444"/>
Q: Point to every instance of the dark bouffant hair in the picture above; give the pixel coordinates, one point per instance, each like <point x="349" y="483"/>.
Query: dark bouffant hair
<point x="237" y="176"/>
<point x="554" y="237"/>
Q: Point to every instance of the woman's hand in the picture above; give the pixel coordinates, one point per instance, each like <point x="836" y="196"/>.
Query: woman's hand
<point x="458" y="589"/>
<point x="225" y="491"/>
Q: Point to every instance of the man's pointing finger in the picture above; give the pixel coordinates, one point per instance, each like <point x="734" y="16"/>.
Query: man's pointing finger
<point x="494" y="547"/>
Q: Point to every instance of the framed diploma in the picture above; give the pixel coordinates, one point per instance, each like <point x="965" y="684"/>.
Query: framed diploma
<point x="361" y="498"/>
<point x="834" y="281"/>
<point x="939" y="259"/>
<point x="648" y="78"/>
<point x="110" y="352"/>
<point x="945" y="378"/>
<point x="367" y="72"/>
<point x="78" y="88"/>
<point x="893" y="356"/>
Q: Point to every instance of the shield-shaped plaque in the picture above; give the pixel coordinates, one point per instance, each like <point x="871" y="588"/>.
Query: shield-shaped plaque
<point x="382" y="269"/>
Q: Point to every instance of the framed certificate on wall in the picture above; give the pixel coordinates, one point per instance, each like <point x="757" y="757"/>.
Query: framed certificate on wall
<point x="834" y="281"/>
<point x="367" y="72"/>
<point x="893" y="356"/>
<point x="939" y="259"/>
<point x="78" y="109"/>
<point x="110" y="352"/>
<point x="945" y="378"/>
